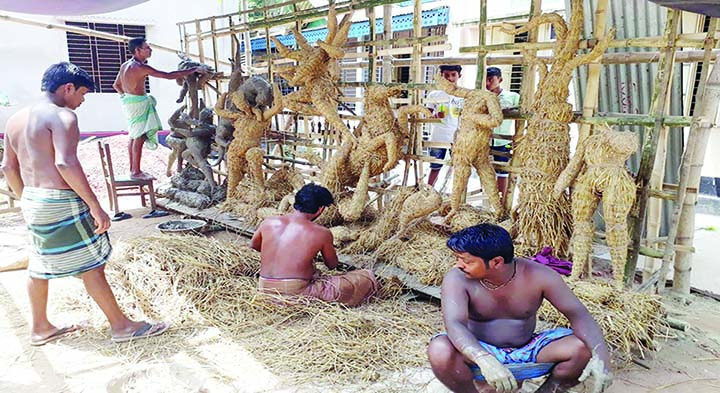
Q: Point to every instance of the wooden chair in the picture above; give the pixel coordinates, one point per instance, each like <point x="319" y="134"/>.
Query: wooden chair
<point x="117" y="187"/>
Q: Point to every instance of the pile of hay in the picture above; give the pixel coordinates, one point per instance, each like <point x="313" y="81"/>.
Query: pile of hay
<point x="629" y="320"/>
<point x="302" y="339"/>
<point x="421" y="252"/>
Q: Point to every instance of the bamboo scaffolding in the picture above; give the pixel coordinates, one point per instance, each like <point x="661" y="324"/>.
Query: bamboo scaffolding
<point x="480" y="62"/>
<point x="682" y="225"/>
<point x="663" y="81"/>
<point x="387" y="60"/>
<point x="309" y="14"/>
<point x="527" y="92"/>
<point x="590" y="101"/>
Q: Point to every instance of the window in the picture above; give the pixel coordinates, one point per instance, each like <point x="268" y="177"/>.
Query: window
<point x="100" y="57"/>
<point x="516" y="72"/>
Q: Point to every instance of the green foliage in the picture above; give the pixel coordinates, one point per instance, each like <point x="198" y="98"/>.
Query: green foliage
<point x="273" y="12"/>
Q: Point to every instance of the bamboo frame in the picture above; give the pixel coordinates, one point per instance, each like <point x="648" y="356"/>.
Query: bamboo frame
<point x="380" y="51"/>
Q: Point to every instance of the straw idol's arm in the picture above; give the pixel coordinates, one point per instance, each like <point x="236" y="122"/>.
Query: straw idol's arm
<point x="570" y="172"/>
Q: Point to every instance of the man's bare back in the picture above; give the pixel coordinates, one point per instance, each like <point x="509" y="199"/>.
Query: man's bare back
<point x="30" y="133"/>
<point x="289" y="245"/>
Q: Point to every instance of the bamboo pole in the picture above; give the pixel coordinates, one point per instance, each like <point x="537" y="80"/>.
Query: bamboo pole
<point x="215" y="59"/>
<point x="692" y="40"/>
<point x="480" y="61"/>
<point x="417" y="77"/>
<point x="96" y="33"/>
<point x="682" y="226"/>
<point x="694" y="56"/>
<point x="372" y="75"/>
<point x="590" y="101"/>
<point x="387" y="60"/>
<point x="663" y="81"/>
<point x="201" y="54"/>
<point x="527" y="92"/>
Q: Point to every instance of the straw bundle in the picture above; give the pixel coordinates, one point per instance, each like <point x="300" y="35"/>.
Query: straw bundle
<point x="383" y="228"/>
<point x="422" y="253"/>
<point x="300" y="338"/>
<point x="343" y="234"/>
<point x="629" y="320"/>
<point x="467" y="216"/>
<point x="420" y="204"/>
<point x="544" y="151"/>
<point x="601" y="161"/>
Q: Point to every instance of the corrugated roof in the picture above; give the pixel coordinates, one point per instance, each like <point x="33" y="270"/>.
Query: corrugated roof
<point x="434" y="17"/>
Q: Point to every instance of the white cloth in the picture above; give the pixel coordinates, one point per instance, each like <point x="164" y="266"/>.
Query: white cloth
<point x="452" y="106"/>
<point x="508" y="99"/>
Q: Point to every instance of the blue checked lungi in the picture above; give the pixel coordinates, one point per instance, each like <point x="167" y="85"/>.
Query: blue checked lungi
<point x="62" y="242"/>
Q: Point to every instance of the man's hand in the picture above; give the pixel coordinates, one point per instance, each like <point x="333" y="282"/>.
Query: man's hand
<point x="496" y="374"/>
<point x="102" y="220"/>
<point x="602" y="377"/>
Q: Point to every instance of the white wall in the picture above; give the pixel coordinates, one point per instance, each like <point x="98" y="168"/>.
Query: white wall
<point x="30" y="50"/>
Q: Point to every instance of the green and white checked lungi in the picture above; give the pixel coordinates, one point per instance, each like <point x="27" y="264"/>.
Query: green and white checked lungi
<point x="142" y="118"/>
<point x="61" y="234"/>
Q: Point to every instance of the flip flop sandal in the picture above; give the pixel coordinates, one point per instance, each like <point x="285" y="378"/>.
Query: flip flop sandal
<point x="57" y="335"/>
<point x="121" y="216"/>
<point x="147" y="330"/>
<point x="156" y="214"/>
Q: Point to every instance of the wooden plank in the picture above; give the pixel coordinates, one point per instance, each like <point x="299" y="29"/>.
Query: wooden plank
<point x="237" y="225"/>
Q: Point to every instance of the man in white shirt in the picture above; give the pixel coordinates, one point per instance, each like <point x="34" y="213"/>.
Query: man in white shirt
<point x="508" y="99"/>
<point x="447" y="108"/>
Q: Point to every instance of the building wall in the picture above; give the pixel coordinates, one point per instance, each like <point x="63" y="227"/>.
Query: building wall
<point x="32" y="49"/>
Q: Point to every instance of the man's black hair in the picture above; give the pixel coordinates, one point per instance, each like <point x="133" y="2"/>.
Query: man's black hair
<point x="135" y="43"/>
<point x="485" y="241"/>
<point x="446" y="67"/>
<point x="494" y="71"/>
<point x="311" y="198"/>
<point x="63" y="73"/>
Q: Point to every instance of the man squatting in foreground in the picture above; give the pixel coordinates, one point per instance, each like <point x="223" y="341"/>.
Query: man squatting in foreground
<point x="288" y="246"/>
<point x="490" y="302"/>
<point x="67" y="225"/>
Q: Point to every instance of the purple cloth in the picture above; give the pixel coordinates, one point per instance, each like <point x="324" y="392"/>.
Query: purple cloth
<point x="546" y="257"/>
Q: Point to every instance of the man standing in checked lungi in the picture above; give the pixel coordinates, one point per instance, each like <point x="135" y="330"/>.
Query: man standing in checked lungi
<point x="143" y="120"/>
<point x="67" y="225"/>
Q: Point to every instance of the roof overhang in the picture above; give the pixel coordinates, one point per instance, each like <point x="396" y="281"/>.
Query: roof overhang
<point x="67" y="7"/>
<point x="707" y="7"/>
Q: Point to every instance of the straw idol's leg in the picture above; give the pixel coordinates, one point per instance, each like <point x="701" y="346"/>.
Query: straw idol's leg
<point x="360" y="197"/>
<point x="460" y="181"/>
<point x="617" y="202"/>
<point x="236" y="167"/>
<point x="584" y="203"/>
<point x="487" y="177"/>
<point x="254" y="157"/>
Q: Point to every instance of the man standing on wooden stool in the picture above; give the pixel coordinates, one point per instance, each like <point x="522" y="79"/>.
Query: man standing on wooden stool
<point x="143" y="120"/>
<point x="490" y="302"/>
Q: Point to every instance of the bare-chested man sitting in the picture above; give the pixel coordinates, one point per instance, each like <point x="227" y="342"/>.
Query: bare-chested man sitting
<point x="143" y="120"/>
<point x="288" y="246"/>
<point x="66" y="222"/>
<point x="489" y="305"/>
